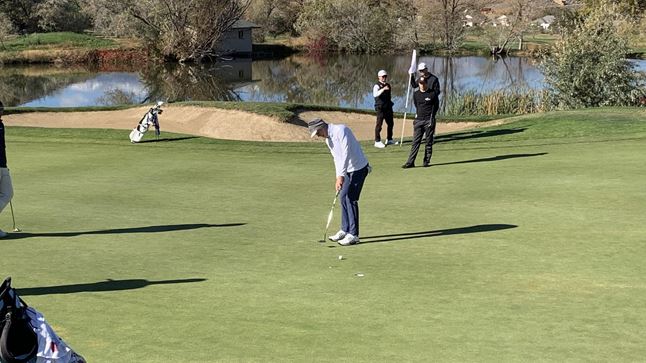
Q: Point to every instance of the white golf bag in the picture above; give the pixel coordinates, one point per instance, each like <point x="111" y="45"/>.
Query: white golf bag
<point x="25" y="336"/>
<point x="149" y="119"/>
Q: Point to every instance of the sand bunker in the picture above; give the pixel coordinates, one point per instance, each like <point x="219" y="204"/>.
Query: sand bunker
<point x="222" y="124"/>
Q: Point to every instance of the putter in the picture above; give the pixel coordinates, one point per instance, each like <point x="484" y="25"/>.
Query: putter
<point x="329" y="217"/>
<point x="15" y="229"/>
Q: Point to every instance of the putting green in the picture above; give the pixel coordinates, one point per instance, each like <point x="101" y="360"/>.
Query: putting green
<point x="523" y="242"/>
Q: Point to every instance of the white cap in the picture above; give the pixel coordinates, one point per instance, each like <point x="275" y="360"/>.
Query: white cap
<point x="314" y="125"/>
<point x="382" y="73"/>
<point x="421" y="66"/>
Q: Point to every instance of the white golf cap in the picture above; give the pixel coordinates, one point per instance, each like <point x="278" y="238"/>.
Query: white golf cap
<point x="382" y="73"/>
<point x="314" y="125"/>
<point x="421" y="66"/>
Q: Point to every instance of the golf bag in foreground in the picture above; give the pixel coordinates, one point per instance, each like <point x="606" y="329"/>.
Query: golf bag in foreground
<point x="149" y="119"/>
<point x="25" y="336"/>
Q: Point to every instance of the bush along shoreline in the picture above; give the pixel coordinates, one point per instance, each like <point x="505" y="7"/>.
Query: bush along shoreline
<point x="76" y="56"/>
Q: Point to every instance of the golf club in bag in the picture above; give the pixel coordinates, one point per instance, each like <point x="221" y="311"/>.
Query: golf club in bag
<point x="149" y="119"/>
<point x="25" y="336"/>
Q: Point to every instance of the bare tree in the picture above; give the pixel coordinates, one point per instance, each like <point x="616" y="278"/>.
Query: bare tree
<point x="452" y="12"/>
<point x="186" y="30"/>
<point x="262" y="12"/>
<point x="500" y="31"/>
<point x="444" y="20"/>
<point x="275" y="16"/>
<point x="348" y="25"/>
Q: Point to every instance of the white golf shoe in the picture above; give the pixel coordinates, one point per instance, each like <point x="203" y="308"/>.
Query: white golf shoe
<point x="379" y="144"/>
<point x="335" y="237"/>
<point x="391" y="142"/>
<point x="349" y="240"/>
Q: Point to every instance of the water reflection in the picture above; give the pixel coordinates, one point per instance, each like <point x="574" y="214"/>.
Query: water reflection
<point x="341" y="80"/>
<point x="22" y="85"/>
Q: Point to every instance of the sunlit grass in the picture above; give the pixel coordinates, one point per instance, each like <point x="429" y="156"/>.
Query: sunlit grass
<point x="58" y="40"/>
<point x="522" y="242"/>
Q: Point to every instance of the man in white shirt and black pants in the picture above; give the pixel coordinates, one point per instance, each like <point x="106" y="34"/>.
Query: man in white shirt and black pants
<point x="351" y="170"/>
<point x="384" y="107"/>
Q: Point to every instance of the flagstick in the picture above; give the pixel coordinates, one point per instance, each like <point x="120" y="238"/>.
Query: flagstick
<point x="401" y="141"/>
<point x="413" y="65"/>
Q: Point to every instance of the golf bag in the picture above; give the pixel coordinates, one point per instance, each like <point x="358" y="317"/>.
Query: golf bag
<point x="149" y="119"/>
<point x="25" y="337"/>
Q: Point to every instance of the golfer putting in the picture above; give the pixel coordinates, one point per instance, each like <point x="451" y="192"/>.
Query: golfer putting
<point x="6" y="187"/>
<point x="351" y="167"/>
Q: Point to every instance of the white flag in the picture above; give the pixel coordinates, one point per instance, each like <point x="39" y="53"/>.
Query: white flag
<point x="413" y="63"/>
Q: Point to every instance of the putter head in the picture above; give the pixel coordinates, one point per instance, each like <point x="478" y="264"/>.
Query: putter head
<point x="16" y="229"/>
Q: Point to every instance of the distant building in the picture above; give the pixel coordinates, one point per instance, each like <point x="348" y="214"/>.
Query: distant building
<point x="501" y="20"/>
<point x="238" y="41"/>
<point x="468" y="20"/>
<point x="545" y="22"/>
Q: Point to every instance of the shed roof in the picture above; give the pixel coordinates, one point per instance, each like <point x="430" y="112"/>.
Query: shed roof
<point x="240" y="24"/>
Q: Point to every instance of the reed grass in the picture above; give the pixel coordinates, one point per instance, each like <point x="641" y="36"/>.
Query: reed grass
<point x="518" y="102"/>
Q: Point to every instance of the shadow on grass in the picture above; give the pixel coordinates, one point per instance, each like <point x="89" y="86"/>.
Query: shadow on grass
<point x="169" y="140"/>
<point x="493" y="158"/>
<point x="149" y="229"/>
<point x="475" y="134"/>
<point x="101" y="286"/>
<point x="436" y="233"/>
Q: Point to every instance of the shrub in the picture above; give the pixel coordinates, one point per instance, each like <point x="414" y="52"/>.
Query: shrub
<point x="62" y="15"/>
<point x="588" y="66"/>
<point x="348" y="25"/>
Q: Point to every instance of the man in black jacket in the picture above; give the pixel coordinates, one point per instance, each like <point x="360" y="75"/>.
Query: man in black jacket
<point x="384" y="107"/>
<point x="6" y="188"/>
<point x="432" y="81"/>
<point x="426" y="103"/>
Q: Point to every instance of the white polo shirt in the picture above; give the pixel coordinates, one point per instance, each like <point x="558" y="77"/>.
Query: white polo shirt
<point x="345" y="149"/>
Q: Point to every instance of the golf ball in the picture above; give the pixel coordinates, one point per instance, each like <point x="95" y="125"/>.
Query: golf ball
<point x="340" y="257"/>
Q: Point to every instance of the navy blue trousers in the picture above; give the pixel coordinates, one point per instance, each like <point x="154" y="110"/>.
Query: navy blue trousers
<point x="349" y="198"/>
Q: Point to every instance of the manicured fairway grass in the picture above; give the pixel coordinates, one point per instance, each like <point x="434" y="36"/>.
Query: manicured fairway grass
<point x="522" y="243"/>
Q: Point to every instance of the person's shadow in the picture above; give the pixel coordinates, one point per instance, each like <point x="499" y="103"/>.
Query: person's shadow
<point x="493" y="158"/>
<point x="101" y="286"/>
<point x="476" y="134"/>
<point x="148" y="229"/>
<point x="436" y="233"/>
<point x="467" y="135"/>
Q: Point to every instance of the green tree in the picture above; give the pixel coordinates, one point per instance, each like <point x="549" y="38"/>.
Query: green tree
<point x="22" y="14"/>
<point x="62" y="15"/>
<point x="588" y="66"/>
<point x="6" y="28"/>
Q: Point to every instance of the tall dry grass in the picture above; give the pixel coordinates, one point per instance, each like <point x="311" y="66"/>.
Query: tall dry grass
<point x="472" y="103"/>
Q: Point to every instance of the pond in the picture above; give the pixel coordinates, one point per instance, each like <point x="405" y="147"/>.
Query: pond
<point x="339" y="80"/>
